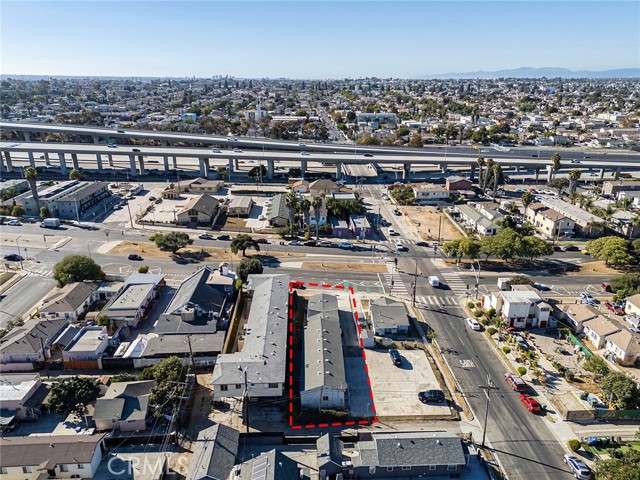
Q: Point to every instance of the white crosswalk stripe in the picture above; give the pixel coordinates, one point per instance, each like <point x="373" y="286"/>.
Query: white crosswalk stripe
<point x="452" y="280"/>
<point x="438" y="300"/>
<point x="395" y="283"/>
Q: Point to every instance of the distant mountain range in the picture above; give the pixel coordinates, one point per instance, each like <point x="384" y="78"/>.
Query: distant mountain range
<point x="548" y="72"/>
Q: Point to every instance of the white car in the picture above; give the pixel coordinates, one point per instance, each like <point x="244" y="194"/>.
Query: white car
<point x="578" y="467"/>
<point x="261" y="217"/>
<point x="304" y="152"/>
<point x="346" y="245"/>
<point x="14" y="223"/>
<point x="400" y="247"/>
<point x="216" y="150"/>
<point x="485" y="151"/>
<point x="385" y="197"/>
<point x="392" y="232"/>
<point x="473" y="323"/>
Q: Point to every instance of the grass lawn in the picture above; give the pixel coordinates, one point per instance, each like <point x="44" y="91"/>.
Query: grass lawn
<point x="5" y="277"/>
<point x="607" y="449"/>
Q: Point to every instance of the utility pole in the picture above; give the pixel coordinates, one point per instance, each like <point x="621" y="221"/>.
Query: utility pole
<point x="487" y="391"/>
<point x="439" y="226"/>
<point x="20" y="256"/>
<point x="191" y="353"/>
<point x="130" y="218"/>
<point x="415" y="283"/>
<point x="246" y="399"/>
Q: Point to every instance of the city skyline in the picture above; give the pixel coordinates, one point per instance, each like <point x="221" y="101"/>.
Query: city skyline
<point x="314" y="39"/>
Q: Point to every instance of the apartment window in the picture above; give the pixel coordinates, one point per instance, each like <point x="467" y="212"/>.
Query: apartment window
<point x="26" y="469"/>
<point x="81" y="466"/>
<point x="452" y="467"/>
<point x="432" y="467"/>
<point x="389" y="469"/>
<point x="238" y="386"/>
<point x="406" y="468"/>
<point x="224" y="388"/>
<point x="325" y="398"/>
<point x="274" y="385"/>
<point x="64" y="468"/>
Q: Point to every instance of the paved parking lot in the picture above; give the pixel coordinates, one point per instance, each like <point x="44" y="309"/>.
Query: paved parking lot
<point x="395" y="389"/>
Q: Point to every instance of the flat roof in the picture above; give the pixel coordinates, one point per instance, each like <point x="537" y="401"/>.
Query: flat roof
<point x="88" y="339"/>
<point x="16" y="387"/>
<point x="132" y="297"/>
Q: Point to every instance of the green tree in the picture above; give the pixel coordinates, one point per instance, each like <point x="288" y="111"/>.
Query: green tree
<point x="73" y="395"/>
<point x="17" y="211"/>
<point x="316" y="203"/>
<point x="597" y="365"/>
<point x="76" y="268"/>
<point x="242" y="242"/>
<point x="613" y="250"/>
<point x="169" y="376"/>
<point x="416" y="140"/>
<point x="555" y="163"/>
<point x="76" y="174"/>
<point x="480" y="162"/>
<point x="102" y="321"/>
<point x="173" y="241"/>
<point x="497" y="174"/>
<point x="143" y="269"/>
<point x="487" y="246"/>
<point x="44" y="212"/>
<point x="533" y="247"/>
<point x="258" y="173"/>
<point x="508" y="244"/>
<point x="291" y="202"/>
<point x="527" y="199"/>
<point x="626" y="467"/>
<point x="487" y="174"/>
<point x="248" y="266"/>
<point x="621" y="389"/>
<point x="31" y="174"/>
<point x="305" y="208"/>
<point x="574" y="176"/>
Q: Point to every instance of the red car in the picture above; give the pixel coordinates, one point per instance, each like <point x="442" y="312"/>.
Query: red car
<point x="614" y="308"/>
<point x="297" y="284"/>
<point x="557" y="248"/>
<point x="531" y="403"/>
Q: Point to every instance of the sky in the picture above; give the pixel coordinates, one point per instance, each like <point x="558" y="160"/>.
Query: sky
<point x="313" y="39"/>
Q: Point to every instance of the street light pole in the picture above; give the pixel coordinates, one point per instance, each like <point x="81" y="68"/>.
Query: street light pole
<point x="415" y="283"/>
<point x="20" y="256"/>
<point x="487" y="391"/>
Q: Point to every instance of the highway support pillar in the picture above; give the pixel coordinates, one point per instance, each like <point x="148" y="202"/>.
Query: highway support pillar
<point x="141" y="163"/>
<point x="444" y="168"/>
<point x="236" y="162"/>
<point x="406" y="171"/>
<point x="27" y="136"/>
<point x="231" y="167"/>
<point x="74" y="159"/>
<point x="47" y="160"/>
<point x="270" y="168"/>
<point x="472" y="175"/>
<point x="616" y="173"/>
<point x="338" y="170"/>
<point x="132" y="165"/>
<point x="110" y="157"/>
<point x="303" y="168"/>
<point x="63" y="164"/>
<point x="537" y="171"/>
<point x="175" y="162"/>
<point x="517" y="168"/>
<point x="165" y="159"/>
<point x="96" y="139"/>
<point x="2" y="169"/>
<point x="99" y="160"/>
<point x="204" y="167"/>
<point x="549" y="173"/>
<point x="601" y="173"/>
<point x="7" y="157"/>
<point x="32" y="160"/>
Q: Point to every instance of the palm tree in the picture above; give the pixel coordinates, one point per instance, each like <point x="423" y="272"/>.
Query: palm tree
<point x="485" y="182"/>
<point x="586" y="203"/>
<point x="316" y="203"/>
<point x="31" y="174"/>
<point x="635" y="223"/>
<point x="497" y="173"/>
<point x="624" y="203"/>
<point x="555" y="165"/>
<point x="573" y="196"/>
<point x="291" y="201"/>
<point x="527" y="199"/>
<point x="574" y="176"/>
<point x="480" y="162"/>
<point x="608" y="212"/>
<point x="305" y="208"/>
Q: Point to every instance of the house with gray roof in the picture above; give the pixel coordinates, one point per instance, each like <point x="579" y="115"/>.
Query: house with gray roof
<point x="406" y="454"/>
<point x="586" y="224"/>
<point x="69" y="302"/>
<point x="131" y="304"/>
<point x="261" y="364"/>
<point x="203" y="347"/>
<point x="476" y="221"/>
<point x="389" y="317"/>
<point x="203" y="209"/>
<point x="124" y="406"/>
<point x="214" y="453"/>
<point x="278" y="212"/>
<point x="271" y="465"/>
<point x="324" y="384"/>
<point x="29" y="343"/>
<point x="329" y="455"/>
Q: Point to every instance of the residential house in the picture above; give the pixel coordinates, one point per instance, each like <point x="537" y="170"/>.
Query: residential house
<point x="614" y="187"/>
<point x="476" y="221"/>
<point x="549" y="222"/>
<point x="14" y="186"/>
<point x="340" y="228"/>
<point x="124" y="407"/>
<point x="300" y="186"/>
<point x="29" y="343"/>
<point x="596" y="329"/>
<point x="278" y="212"/>
<point x="51" y="456"/>
<point x="456" y="182"/>
<point x="360" y="226"/>
<point x="622" y="222"/>
<point x="323" y="186"/>
<point x="86" y="349"/>
<point x="576" y="314"/>
<point x="388" y="317"/>
<point x="428" y="194"/>
<point x="240" y="206"/>
<point x="21" y="396"/>
<point x="585" y="224"/>
<point x="214" y="453"/>
<point x="202" y="348"/>
<point x="344" y="197"/>
<point x="405" y="454"/>
<point x="261" y="364"/>
<point x="202" y="209"/>
<point x="521" y="308"/>
<point x="325" y="384"/>
<point x="632" y="306"/>
<point x="202" y="185"/>
<point x="271" y="465"/>
<point x="132" y="304"/>
<point x="329" y="456"/>
<point x="623" y="346"/>
<point x="69" y="302"/>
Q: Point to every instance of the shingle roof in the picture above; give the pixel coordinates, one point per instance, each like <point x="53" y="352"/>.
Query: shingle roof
<point x="389" y="314"/>
<point x="124" y="401"/>
<point x="202" y="203"/>
<point x="69" y="298"/>
<point x="48" y="451"/>
<point x="214" y="453"/>
<point x="329" y="449"/>
<point x="271" y="465"/>
<point x="26" y="339"/>
<point x="278" y="208"/>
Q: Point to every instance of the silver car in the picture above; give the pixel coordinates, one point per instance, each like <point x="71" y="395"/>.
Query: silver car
<point x="578" y="467"/>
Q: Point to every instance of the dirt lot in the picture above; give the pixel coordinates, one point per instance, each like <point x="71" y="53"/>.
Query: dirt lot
<point x="354" y="267"/>
<point x="429" y="220"/>
<point x="597" y="267"/>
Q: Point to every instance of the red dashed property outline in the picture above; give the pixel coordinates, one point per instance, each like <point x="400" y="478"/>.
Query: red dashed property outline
<point x="290" y="361"/>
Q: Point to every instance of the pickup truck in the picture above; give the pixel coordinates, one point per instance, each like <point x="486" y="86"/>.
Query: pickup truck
<point x="516" y="382"/>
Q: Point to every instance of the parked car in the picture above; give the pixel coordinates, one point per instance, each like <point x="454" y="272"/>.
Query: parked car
<point x="431" y="396"/>
<point x="297" y="284"/>
<point x="135" y="150"/>
<point x="206" y="236"/>
<point x="368" y="155"/>
<point x="262" y="241"/>
<point x="557" y="248"/>
<point x="392" y="232"/>
<point x="400" y="247"/>
<point x="614" y="308"/>
<point x="422" y="244"/>
<point x="396" y="358"/>
<point x="516" y="382"/>
<point x="586" y="296"/>
<point x="224" y="237"/>
<point x="605" y="287"/>
<point x="14" y="223"/>
<point x="324" y="243"/>
<point x="135" y="256"/>
<point x="531" y="403"/>
<point x="473" y="323"/>
<point x="541" y="286"/>
<point x="152" y="199"/>
<point x="571" y="248"/>
<point x="397" y="212"/>
<point x="579" y="469"/>
<point x="310" y="243"/>
<point x="346" y="245"/>
<point x="13" y="257"/>
<point x="294" y="242"/>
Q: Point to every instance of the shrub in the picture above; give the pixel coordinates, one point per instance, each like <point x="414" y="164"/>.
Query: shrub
<point x="506" y="349"/>
<point x="491" y="330"/>
<point x="574" y="444"/>
<point x="470" y="305"/>
<point x="491" y="313"/>
<point x="143" y="269"/>
<point x="521" y="370"/>
<point x="568" y="375"/>
<point x="477" y="313"/>
<point x="484" y="322"/>
<point x="283" y="232"/>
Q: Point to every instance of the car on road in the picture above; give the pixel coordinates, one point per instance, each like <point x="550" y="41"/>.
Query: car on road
<point x="14" y="223"/>
<point x="422" y="243"/>
<point x="301" y="144"/>
<point x="135" y="256"/>
<point x="135" y="150"/>
<point x="541" y="286"/>
<point x="120" y="131"/>
<point x="534" y="155"/>
<point x="385" y="197"/>
<point x="605" y="287"/>
<point x="531" y="403"/>
<point x="634" y="329"/>
<point x="614" y="308"/>
<point x="485" y="151"/>
<point x="397" y="212"/>
<point x="515" y="381"/>
<point x="297" y="284"/>
<point x="520" y="190"/>
<point x="585" y="252"/>
<point x="575" y="160"/>
<point x="117" y="207"/>
<point x="396" y="358"/>
<point x="431" y="396"/>
<point x="368" y="155"/>
<point x="579" y="469"/>
<point x="473" y="323"/>
<point x="152" y="199"/>
<point x="112" y="145"/>
<point x="324" y="243"/>
<point x="586" y="296"/>
<point x="556" y="248"/>
<point x="392" y="232"/>
<point x="346" y="245"/>
<point x="232" y="139"/>
<point x="262" y="241"/>
<point x="237" y="150"/>
<point x="310" y="243"/>
<point x="571" y="248"/>
<point x="294" y="242"/>
<point x="13" y="257"/>
<point x="400" y="247"/>
<point x="304" y="152"/>
<point x="216" y="150"/>
<point x="206" y="236"/>
<point x="224" y="238"/>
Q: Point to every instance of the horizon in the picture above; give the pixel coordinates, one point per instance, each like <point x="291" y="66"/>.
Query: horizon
<point x="313" y="40"/>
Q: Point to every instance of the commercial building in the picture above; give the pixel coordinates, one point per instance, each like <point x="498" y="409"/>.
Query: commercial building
<point x="66" y="200"/>
<point x="360" y="226"/>
<point x="324" y="384"/>
<point x="259" y="369"/>
<point x="521" y="308"/>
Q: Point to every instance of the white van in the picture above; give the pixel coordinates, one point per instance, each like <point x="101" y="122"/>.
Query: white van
<point x="434" y="281"/>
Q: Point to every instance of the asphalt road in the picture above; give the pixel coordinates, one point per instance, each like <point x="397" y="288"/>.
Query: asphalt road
<point x="22" y="296"/>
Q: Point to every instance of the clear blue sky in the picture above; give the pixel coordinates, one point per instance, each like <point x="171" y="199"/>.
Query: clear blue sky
<point x="318" y="39"/>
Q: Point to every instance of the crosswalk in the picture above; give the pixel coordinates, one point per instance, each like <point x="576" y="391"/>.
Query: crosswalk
<point x="395" y="284"/>
<point x="39" y="270"/>
<point x="453" y="280"/>
<point x="394" y="240"/>
<point x="439" y="300"/>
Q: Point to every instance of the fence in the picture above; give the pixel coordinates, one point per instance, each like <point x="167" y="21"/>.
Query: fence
<point x="582" y="346"/>
<point x="603" y="414"/>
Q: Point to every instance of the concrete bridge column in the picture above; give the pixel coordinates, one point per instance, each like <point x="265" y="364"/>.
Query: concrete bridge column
<point x="616" y="173"/>
<point x="74" y="158"/>
<point x="472" y="175"/>
<point x="231" y="167"/>
<point x="47" y="160"/>
<point x="236" y="162"/>
<point x="132" y="165"/>
<point x="175" y="162"/>
<point x="406" y="171"/>
<point x="141" y="162"/>
<point x="7" y="157"/>
<point x="303" y="168"/>
<point x="204" y="167"/>
<point x="63" y="164"/>
<point x="99" y="160"/>
<point x="32" y="160"/>
<point x="537" y="171"/>
<point x="96" y="139"/>
<point x="165" y="158"/>
<point x="444" y="168"/>
<point x="2" y="169"/>
<point x="549" y="173"/>
<point x="338" y="170"/>
<point x="601" y="173"/>
<point x="27" y="136"/>
<point x="270" y="168"/>
<point x="110" y="157"/>
<point x="517" y="168"/>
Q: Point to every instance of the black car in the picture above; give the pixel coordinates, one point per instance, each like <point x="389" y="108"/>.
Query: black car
<point x="368" y="155"/>
<point x="396" y="358"/>
<point x="135" y="149"/>
<point x="397" y="212"/>
<point x="571" y="248"/>
<point x="13" y="257"/>
<point x="224" y="237"/>
<point x="431" y="396"/>
<point x="422" y="244"/>
<point x="120" y="131"/>
<point x="310" y="243"/>
<point x="135" y="256"/>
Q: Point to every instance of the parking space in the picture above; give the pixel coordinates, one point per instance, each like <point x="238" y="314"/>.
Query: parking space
<point x="395" y="389"/>
<point x="258" y="211"/>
